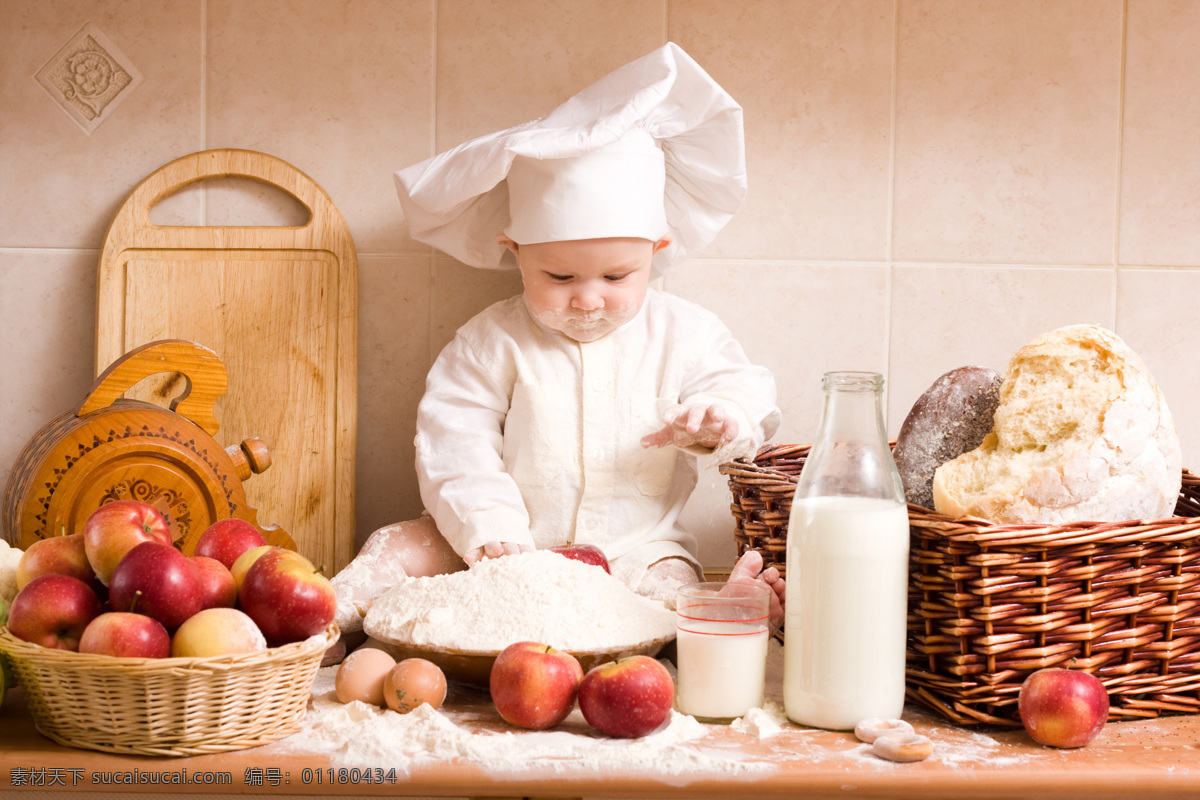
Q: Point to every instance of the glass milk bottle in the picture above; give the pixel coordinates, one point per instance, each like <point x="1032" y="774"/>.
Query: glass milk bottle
<point x="847" y="567"/>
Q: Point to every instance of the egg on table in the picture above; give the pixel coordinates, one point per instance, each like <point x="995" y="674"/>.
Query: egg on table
<point x="361" y="674"/>
<point x="412" y="682"/>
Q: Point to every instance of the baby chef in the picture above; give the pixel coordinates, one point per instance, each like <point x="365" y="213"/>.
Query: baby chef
<point x="580" y="410"/>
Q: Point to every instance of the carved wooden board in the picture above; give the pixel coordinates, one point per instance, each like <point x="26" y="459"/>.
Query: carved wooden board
<point x="279" y="305"/>
<point x="112" y="448"/>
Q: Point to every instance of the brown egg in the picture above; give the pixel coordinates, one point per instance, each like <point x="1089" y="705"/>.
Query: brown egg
<point x="412" y="682"/>
<point x="360" y="677"/>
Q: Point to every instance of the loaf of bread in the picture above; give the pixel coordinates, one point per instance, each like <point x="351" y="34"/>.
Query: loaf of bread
<point x="1082" y="433"/>
<point x="950" y="418"/>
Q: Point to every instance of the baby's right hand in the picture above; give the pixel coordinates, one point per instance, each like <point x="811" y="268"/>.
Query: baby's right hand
<point x="496" y="550"/>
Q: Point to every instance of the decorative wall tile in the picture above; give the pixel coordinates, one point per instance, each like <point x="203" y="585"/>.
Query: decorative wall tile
<point x="89" y="77"/>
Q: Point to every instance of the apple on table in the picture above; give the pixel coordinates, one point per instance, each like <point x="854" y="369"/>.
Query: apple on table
<point x="627" y="698"/>
<point x="534" y="685"/>
<point x="115" y="528"/>
<point x="53" y="610"/>
<point x="125" y="635"/>
<point x="226" y="539"/>
<point x="286" y="596"/>
<point x="1062" y="707"/>
<point x="156" y="580"/>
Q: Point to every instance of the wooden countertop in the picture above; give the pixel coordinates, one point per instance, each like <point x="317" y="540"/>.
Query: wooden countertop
<point x="1144" y="759"/>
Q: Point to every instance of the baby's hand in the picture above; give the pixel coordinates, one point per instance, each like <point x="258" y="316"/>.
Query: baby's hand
<point x="694" y="425"/>
<point x="748" y="569"/>
<point x="495" y="550"/>
<point x="663" y="579"/>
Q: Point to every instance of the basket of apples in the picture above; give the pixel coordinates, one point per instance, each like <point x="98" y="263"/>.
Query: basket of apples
<point x="123" y="644"/>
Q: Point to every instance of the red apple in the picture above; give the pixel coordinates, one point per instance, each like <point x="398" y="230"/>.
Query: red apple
<point x="587" y="553"/>
<point x="217" y="632"/>
<point x="58" y="555"/>
<point x="115" y="528"/>
<point x="533" y="685"/>
<point x="1062" y="707"/>
<point x="217" y="587"/>
<point x="630" y="697"/>
<point x="156" y="580"/>
<point x="52" y="611"/>
<point x="245" y="561"/>
<point x="125" y="635"/>
<point x="286" y="596"/>
<point x="226" y="539"/>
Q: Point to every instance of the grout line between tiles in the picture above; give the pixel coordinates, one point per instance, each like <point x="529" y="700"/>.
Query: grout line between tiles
<point x="433" y="141"/>
<point x="1116" y="289"/>
<point x="203" y="101"/>
<point x="889" y="283"/>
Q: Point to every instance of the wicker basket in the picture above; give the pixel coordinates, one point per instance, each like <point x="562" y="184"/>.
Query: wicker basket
<point x="169" y="706"/>
<point x="990" y="604"/>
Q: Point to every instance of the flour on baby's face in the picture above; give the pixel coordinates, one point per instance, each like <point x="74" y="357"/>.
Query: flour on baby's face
<point x="587" y="288"/>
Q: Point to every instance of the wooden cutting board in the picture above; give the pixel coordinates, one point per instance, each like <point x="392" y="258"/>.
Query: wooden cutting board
<point x="279" y="305"/>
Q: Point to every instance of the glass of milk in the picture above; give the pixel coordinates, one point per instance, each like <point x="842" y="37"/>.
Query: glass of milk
<point x="721" y="647"/>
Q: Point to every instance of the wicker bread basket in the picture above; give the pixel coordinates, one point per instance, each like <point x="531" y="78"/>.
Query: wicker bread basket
<point x="990" y="604"/>
<point x="168" y="706"/>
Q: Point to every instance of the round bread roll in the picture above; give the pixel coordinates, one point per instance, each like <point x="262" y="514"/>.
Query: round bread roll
<point x="903" y="747"/>
<point x="1082" y="433"/>
<point x="870" y="729"/>
<point x="950" y="418"/>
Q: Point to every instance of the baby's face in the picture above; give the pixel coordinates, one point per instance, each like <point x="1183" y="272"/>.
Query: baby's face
<point x="586" y="288"/>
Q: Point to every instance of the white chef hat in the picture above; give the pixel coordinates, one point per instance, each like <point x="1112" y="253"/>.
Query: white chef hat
<point x="654" y="147"/>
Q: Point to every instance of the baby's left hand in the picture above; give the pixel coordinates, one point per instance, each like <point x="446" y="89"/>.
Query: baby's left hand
<point x="749" y="569"/>
<point x="694" y="425"/>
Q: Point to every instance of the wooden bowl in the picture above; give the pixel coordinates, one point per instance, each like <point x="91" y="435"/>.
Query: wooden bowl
<point x="475" y="666"/>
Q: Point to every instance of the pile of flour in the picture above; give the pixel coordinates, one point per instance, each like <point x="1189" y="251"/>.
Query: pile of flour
<point x="540" y="597"/>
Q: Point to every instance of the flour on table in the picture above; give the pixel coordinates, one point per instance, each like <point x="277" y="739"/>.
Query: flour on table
<point x="541" y="597"/>
<point x="364" y="736"/>
<point x="359" y="735"/>
<point x="762" y="722"/>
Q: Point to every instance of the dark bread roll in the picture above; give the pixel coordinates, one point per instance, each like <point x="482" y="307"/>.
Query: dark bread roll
<point x="949" y="419"/>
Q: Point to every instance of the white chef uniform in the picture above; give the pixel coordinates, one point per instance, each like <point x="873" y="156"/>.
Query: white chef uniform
<point x="526" y="435"/>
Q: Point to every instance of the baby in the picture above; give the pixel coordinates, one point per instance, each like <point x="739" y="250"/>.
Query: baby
<point x="581" y="410"/>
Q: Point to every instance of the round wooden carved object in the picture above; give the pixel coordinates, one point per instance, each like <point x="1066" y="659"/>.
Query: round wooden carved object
<point x="117" y="449"/>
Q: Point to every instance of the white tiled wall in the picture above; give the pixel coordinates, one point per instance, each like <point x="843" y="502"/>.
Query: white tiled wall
<point x="933" y="182"/>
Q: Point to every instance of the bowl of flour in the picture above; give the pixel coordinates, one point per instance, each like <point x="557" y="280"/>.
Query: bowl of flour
<point x="462" y="620"/>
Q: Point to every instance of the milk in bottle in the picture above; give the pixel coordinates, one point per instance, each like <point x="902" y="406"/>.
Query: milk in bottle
<point x="847" y="566"/>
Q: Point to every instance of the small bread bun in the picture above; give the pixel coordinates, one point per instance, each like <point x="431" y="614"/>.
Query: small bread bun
<point x="903" y="747"/>
<point x="1082" y="434"/>
<point x="871" y="729"/>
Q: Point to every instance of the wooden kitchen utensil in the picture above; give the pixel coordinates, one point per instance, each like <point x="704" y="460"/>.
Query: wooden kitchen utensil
<point x="110" y="448"/>
<point x="280" y="305"/>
